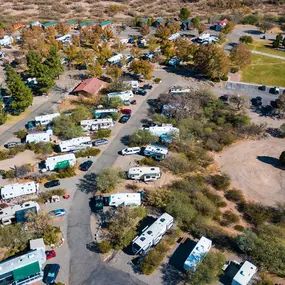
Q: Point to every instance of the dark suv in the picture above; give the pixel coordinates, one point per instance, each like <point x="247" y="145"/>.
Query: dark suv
<point x="52" y="183"/>
<point x="85" y="165"/>
<point x="124" y="119"/>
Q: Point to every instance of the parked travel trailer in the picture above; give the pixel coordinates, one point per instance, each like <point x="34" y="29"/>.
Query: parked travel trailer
<point x="178" y="90"/>
<point x="99" y="112"/>
<point x="174" y="37"/>
<point x="124" y="95"/>
<point x="96" y="124"/>
<point x="155" y="151"/>
<point x="245" y="274"/>
<point x="115" y="59"/>
<point x="65" y="38"/>
<point x="144" y="173"/>
<point x="134" y="84"/>
<point x="7" y="215"/>
<point x="152" y="235"/>
<point x="59" y="162"/>
<point x="46" y="119"/>
<point x="12" y="191"/>
<point x="124" y="199"/>
<point x="37" y="137"/>
<point x="75" y="144"/>
<point x="163" y="129"/>
<point x="6" y="40"/>
<point x="197" y="254"/>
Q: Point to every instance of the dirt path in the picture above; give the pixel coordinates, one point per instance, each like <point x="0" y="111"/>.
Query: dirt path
<point x="253" y="168"/>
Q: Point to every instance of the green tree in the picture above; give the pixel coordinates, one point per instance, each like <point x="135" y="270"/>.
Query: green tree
<point x="80" y="113"/>
<point x="184" y="14"/>
<point x="114" y="71"/>
<point x="141" y="137"/>
<point x="65" y="129"/>
<point x="3" y="114"/>
<point x="143" y="67"/>
<point x="196" y="22"/>
<point x="104" y="246"/>
<point x="282" y="158"/>
<point x="279" y="37"/>
<point x="276" y="44"/>
<point x="211" y="61"/>
<point x="184" y="49"/>
<point x="108" y="179"/>
<point x="35" y="66"/>
<point x="53" y="63"/>
<point x="246" y="39"/>
<point x="21" y="94"/>
<point x="94" y="69"/>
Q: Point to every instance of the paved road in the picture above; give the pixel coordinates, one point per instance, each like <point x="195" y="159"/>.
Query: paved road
<point x="86" y="266"/>
<point x="268" y="54"/>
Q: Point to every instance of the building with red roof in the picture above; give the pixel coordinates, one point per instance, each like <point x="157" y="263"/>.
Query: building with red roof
<point x="221" y="24"/>
<point x="88" y="87"/>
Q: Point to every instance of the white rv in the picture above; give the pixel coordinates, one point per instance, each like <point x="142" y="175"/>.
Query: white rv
<point x="115" y="59"/>
<point x="96" y="124"/>
<point x="178" y="90"/>
<point x="144" y="173"/>
<point x="6" y="40"/>
<point x="8" y="214"/>
<point x="124" y="199"/>
<point x="197" y="254"/>
<point x="65" y="38"/>
<point x="155" y="151"/>
<point x="174" y="37"/>
<point x="12" y="191"/>
<point x="124" y="95"/>
<point x="75" y="144"/>
<point x="37" y="137"/>
<point x="59" y="162"/>
<point x="99" y="112"/>
<point x="244" y="274"/>
<point x="46" y="119"/>
<point x="163" y="129"/>
<point x="152" y="235"/>
<point x="133" y="83"/>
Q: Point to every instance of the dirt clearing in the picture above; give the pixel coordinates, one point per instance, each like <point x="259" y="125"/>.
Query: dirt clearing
<point x="253" y="168"/>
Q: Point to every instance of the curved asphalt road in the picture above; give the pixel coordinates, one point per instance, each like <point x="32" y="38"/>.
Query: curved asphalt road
<point x="86" y="266"/>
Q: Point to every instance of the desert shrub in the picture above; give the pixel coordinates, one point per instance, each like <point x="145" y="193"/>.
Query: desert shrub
<point x="141" y="138"/>
<point x="147" y="161"/>
<point x="104" y="246"/>
<point x="235" y="196"/>
<point x="246" y="39"/>
<point x="115" y="116"/>
<point x="156" y="80"/>
<point x="4" y="154"/>
<point x="180" y="164"/>
<point x="67" y="172"/>
<point x="250" y="20"/>
<point x="101" y="134"/>
<point x="239" y="228"/>
<point x="216" y="199"/>
<point x="90" y="151"/>
<point x="222" y="204"/>
<point x="234" y="69"/>
<point x="256" y="214"/>
<point x="157" y="198"/>
<point x="108" y="179"/>
<point x="41" y="147"/>
<point x="21" y="134"/>
<point x="52" y="236"/>
<point x="229" y="218"/>
<point x="220" y="182"/>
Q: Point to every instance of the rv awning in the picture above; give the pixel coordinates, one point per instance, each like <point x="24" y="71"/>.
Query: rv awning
<point x="26" y="271"/>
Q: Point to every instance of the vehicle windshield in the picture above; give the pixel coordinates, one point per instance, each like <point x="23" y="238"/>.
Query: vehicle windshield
<point x="136" y="248"/>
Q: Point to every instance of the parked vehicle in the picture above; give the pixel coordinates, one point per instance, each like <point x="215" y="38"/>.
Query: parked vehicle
<point x="141" y="91"/>
<point x="66" y="196"/>
<point x="263" y="88"/>
<point x="134" y="102"/>
<point x="130" y="150"/>
<point x="57" y="213"/>
<point x="50" y="254"/>
<point x="85" y="165"/>
<point x="52" y="183"/>
<point x="147" y="86"/>
<point x="276" y="90"/>
<point x="50" y="273"/>
<point x="126" y="111"/>
<point x="12" y="144"/>
<point x="30" y="125"/>
<point x="99" y="142"/>
<point x="124" y="119"/>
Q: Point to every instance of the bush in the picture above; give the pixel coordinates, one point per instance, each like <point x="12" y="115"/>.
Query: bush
<point x="250" y="20"/>
<point x="156" y="80"/>
<point x="52" y="236"/>
<point x="90" y="151"/>
<point x="180" y="164"/>
<point x="246" y="39"/>
<point x="21" y="134"/>
<point x="101" y="134"/>
<point x="104" y="246"/>
<point x="141" y="138"/>
<point x="239" y="228"/>
<point x="235" y="196"/>
<point x="108" y="179"/>
<point x="147" y="161"/>
<point x="67" y="172"/>
<point x="41" y="147"/>
<point x="224" y="78"/>
<point x="220" y="182"/>
<point x="229" y="218"/>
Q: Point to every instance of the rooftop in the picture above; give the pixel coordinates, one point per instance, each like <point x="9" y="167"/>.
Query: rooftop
<point x="71" y="22"/>
<point x="245" y="273"/>
<point x="90" y="85"/>
<point x="49" y="24"/>
<point x="104" y="23"/>
<point x="86" y="23"/>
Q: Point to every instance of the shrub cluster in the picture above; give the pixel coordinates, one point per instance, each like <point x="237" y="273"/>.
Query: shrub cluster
<point x="90" y="151"/>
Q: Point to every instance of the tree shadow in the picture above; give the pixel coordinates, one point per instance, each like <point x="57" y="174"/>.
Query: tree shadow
<point x="88" y="184"/>
<point x="171" y="275"/>
<point x="125" y="140"/>
<point x="274" y="132"/>
<point x="253" y="32"/>
<point x="270" y="160"/>
<point x="93" y="247"/>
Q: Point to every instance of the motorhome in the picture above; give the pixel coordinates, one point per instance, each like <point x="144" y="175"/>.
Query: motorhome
<point x="12" y="191"/>
<point x="163" y="129"/>
<point x="158" y="152"/>
<point x="152" y="235"/>
<point x="200" y="250"/>
<point x="8" y="214"/>
<point x="36" y="137"/>
<point x="96" y="124"/>
<point x="124" y="199"/>
<point x="124" y="95"/>
<point x="101" y="112"/>
<point x="207" y="39"/>
<point x="144" y="173"/>
<point x="59" y="162"/>
<point x="245" y="274"/>
<point x="75" y="144"/>
<point x="46" y="119"/>
<point x="115" y="59"/>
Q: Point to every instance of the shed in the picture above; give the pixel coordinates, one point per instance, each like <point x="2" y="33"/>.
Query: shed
<point x="104" y="24"/>
<point x="38" y="243"/>
<point x="88" y="87"/>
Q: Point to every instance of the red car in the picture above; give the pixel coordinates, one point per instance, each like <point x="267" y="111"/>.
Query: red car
<point x="66" y="196"/>
<point x="50" y="254"/>
<point x="126" y="111"/>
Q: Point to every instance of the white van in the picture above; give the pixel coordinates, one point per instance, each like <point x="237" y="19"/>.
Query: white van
<point x="130" y="150"/>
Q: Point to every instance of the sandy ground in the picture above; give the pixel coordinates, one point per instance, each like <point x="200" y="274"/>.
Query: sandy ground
<point x="253" y="168"/>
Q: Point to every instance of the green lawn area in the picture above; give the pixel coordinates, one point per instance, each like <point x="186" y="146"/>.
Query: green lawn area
<point x="265" y="70"/>
<point x="265" y="46"/>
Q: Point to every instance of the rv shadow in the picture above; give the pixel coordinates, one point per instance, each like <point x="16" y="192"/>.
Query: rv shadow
<point x="270" y="160"/>
<point x="88" y="184"/>
<point x="171" y="276"/>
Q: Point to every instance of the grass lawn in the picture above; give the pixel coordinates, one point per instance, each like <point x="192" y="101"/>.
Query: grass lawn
<point x="266" y="47"/>
<point x="265" y="70"/>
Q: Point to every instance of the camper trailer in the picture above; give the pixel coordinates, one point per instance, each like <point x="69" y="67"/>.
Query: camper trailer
<point x="144" y="173"/>
<point x="163" y="129"/>
<point x="124" y="199"/>
<point x="75" y="144"/>
<point x="36" y="137"/>
<point x="115" y="59"/>
<point x="7" y="215"/>
<point x="102" y="112"/>
<point x="46" y="119"/>
<point x="178" y="90"/>
<point x="152" y="235"/>
<point x="174" y="37"/>
<point x="59" y="162"/>
<point x="12" y="191"/>
<point x="96" y="124"/>
<point x="155" y="151"/>
<point x="197" y="254"/>
<point x="124" y="95"/>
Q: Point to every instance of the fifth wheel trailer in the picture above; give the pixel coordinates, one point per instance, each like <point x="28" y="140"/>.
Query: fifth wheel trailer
<point x="152" y="235"/>
<point x="124" y="199"/>
<point x="12" y="191"/>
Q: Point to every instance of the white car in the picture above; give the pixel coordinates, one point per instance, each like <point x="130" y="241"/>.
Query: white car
<point x="131" y="150"/>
